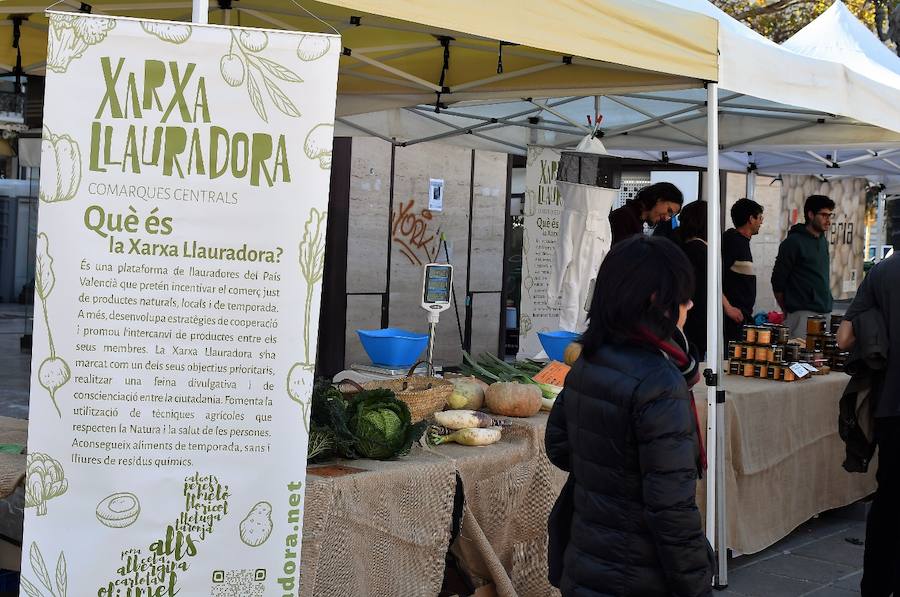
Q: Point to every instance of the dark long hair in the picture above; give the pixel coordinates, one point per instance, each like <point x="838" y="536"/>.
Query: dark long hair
<point x="641" y="285"/>
<point x="692" y="221"/>
<point x="650" y="195"/>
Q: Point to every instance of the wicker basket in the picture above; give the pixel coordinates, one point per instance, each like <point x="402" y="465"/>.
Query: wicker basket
<point x="423" y="394"/>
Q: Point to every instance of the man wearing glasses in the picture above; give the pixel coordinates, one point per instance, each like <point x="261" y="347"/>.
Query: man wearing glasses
<point x="801" y="278"/>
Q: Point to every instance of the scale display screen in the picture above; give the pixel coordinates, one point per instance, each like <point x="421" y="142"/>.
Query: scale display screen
<point x="437" y="284"/>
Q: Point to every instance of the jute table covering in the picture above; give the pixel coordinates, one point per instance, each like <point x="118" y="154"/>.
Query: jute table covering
<point x="783" y="457"/>
<point x="385" y="531"/>
<point x="12" y="466"/>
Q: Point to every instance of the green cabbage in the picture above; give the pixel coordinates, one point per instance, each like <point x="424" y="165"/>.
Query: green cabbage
<point x="382" y="425"/>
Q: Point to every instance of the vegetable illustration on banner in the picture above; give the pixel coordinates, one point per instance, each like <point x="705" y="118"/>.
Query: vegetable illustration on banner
<point x="180" y="254"/>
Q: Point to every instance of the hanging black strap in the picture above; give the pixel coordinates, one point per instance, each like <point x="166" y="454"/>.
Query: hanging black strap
<point x="17" y="32"/>
<point x="445" y="41"/>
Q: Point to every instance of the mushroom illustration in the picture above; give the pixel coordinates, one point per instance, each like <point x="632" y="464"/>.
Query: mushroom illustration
<point x="318" y="144"/>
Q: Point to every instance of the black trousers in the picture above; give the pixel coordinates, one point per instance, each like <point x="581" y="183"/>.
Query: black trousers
<point x="881" y="572"/>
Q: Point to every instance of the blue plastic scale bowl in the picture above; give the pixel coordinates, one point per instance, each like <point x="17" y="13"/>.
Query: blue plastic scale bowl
<point x="393" y="347"/>
<point x="554" y="343"/>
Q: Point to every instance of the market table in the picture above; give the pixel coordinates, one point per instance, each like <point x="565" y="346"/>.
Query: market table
<point x="386" y="530"/>
<point x="783" y="457"/>
<point x="783" y="466"/>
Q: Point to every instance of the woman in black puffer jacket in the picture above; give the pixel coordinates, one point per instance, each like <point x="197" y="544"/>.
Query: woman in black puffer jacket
<point x="626" y="430"/>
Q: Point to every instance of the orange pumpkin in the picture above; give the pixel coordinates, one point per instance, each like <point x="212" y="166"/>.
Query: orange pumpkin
<point x="510" y="399"/>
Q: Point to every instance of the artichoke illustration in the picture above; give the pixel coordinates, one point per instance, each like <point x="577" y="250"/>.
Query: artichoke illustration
<point x="175" y="33"/>
<point x="318" y="144"/>
<point x="312" y="265"/>
<point x="61" y="167"/>
<point x="300" y="381"/>
<point x="44" y="481"/>
<point x="312" y="47"/>
<point x="70" y="35"/>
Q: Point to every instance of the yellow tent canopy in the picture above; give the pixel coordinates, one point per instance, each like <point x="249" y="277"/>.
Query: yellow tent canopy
<point x="398" y="51"/>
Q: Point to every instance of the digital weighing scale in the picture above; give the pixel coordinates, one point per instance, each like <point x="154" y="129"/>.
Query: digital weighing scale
<point x="437" y="287"/>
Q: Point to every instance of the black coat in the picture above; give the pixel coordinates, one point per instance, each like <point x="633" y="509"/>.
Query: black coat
<point x="624" y="429"/>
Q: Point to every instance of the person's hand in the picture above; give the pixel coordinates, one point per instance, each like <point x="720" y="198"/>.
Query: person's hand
<point x="734" y="314"/>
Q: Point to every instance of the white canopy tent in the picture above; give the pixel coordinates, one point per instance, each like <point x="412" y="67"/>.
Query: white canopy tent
<point x="794" y="107"/>
<point x="550" y="50"/>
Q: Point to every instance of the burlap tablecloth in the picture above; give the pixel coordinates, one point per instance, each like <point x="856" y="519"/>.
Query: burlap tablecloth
<point x="384" y="532"/>
<point x="12" y="466"/>
<point x="783" y="457"/>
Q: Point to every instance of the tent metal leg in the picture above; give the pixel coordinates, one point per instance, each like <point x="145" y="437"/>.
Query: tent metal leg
<point x="715" y="395"/>
<point x="721" y="581"/>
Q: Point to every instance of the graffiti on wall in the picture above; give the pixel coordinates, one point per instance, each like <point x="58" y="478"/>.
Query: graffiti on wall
<point x="412" y="233"/>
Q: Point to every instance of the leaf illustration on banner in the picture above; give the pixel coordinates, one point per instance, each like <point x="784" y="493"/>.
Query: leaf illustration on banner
<point x="62" y="578"/>
<point x="60" y="167"/>
<point x="30" y="589"/>
<point x="312" y="266"/>
<point x="280" y="99"/>
<point x="39" y="567"/>
<point x="54" y="372"/>
<point x="174" y="33"/>
<point x="276" y="70"/>
<point x="243" y="62"/>
<point x="44" y="278"/>
<point x="70" y="35"/>
<point x="255" y="96"/>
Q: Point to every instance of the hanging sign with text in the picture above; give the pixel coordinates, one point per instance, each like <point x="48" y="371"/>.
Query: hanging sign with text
<point x="541" y="213"/>
<point x="184" y="186"/>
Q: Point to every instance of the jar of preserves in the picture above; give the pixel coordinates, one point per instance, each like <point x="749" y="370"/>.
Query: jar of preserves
<point x="750" y="334"/>
<point x="764" y="335"/>
<point x="816" y="325"/>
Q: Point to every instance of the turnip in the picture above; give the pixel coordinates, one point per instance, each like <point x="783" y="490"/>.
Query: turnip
<point x="464" y="419"/>
<point x="299" y="387"/>
<point x="469" y="437"/>
<point x="53" y="374"/>
<point x="54" y="371"/>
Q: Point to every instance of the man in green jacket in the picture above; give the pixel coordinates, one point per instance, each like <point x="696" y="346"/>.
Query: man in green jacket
<point x="802" y="275"/>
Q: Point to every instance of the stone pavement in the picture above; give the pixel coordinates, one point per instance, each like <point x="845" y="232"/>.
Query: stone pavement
<point x="816" y="559"/>
<point x="15" y="365"/>
<point x="822" y="558"/>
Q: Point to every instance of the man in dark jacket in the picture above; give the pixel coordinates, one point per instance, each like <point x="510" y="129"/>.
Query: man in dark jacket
<point x="801" y="278"/>
<point x="653" y="204"/>
<point x="880" y="291"/>
<point x="738" y="274"/>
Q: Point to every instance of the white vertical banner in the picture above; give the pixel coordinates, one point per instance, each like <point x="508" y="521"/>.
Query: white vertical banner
<point x="542" y="212"/>
<point x="184" y="188"/>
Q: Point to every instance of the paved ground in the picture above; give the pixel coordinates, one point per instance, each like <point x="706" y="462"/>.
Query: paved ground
<point x="15" y="365"/>
<point x="822" y="558"/>
<point x="817" y="559"/>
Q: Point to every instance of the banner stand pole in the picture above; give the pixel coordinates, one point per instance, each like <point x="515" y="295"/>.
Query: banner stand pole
<point x="200" y="12"/>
